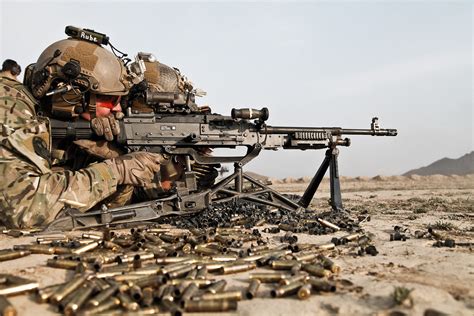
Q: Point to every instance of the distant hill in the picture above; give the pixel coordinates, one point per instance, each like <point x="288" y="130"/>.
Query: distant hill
<point x="447" y="166"/>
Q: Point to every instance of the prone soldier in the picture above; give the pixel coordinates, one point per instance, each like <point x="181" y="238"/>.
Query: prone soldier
<point x="31" y="193"/>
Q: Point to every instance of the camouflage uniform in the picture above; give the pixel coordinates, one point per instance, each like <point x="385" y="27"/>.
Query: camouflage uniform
<point x="31" y="194"/>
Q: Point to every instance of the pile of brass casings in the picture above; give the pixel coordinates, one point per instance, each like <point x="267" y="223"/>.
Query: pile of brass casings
<point x="154" y="270"/>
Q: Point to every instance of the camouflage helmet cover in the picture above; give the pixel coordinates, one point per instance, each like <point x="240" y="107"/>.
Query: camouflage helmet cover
<point x="106" y="73"/>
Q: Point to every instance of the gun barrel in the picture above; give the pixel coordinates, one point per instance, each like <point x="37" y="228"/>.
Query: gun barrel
<point x="328" y="130"/>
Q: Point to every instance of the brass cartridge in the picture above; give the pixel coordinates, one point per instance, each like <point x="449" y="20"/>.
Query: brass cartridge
<point x="251" y="291"/>
<point x="237" y="268"/>
<point x="227" y="296"/>
<point x="217" y="287"/>
<point x="147" y="299"/>
<point x="201" y="273"/>
<point x="286" y="290"/>
<point x="189" y="292"/>
<point x="91" y="236"/>
<point x="322" y="285"/>
<point x="86" y="247"/>
<point x="62" y="264"/>
<point x="329" y="264"/>
<point x="127" y="302"/>
<point x="43" y="295"/>
<point x="136" y="293"/>
<point x="328" y="224"/>
<point x="168" y="294"/>
<point x="284" y="264"/>
<point x="169" y="238"/>
<point x="14" y="254"/>
<point x="210" y="306"/>
<point x="296" y="278"/>
<point x="67" y="288"/>
<point x="102" y="296"/>
<point x="78" y="300"/>
<point x="304" y="292"/>
<point x="316" y="270"/>
<point x="180" y="272"/>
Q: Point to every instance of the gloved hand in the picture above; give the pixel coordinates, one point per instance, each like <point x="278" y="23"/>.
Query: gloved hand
<point x="137" y="169"/>
<point x="107" y="126"/>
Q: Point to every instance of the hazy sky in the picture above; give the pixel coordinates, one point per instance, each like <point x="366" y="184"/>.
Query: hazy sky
<point x="313" y="64"/>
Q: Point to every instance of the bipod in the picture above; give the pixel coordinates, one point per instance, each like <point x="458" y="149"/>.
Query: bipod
<point x="330" y="161"/>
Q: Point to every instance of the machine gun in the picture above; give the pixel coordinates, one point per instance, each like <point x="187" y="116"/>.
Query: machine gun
<point x="187" y="133"/>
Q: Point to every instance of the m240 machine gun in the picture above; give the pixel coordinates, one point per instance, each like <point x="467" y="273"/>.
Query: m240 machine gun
<point x="187" y="134"/>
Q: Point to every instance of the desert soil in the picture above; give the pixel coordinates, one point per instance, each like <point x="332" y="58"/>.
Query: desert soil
<point x="440" y="279"/>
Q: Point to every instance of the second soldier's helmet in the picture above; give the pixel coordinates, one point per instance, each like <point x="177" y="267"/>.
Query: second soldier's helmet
<point x="76" y="73"/>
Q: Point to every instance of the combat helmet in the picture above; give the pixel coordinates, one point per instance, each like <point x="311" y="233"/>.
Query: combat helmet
<point x="72" y="74"/>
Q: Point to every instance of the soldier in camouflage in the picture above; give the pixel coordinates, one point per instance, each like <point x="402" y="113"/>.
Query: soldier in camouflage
<point x="31" y="193"/>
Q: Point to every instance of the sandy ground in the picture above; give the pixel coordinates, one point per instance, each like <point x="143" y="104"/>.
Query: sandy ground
<point x="441" y="279"/>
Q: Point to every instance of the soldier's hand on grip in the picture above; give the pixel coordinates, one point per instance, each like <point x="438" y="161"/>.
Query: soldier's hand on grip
<point x="107" y="126"/>
<point x="137" y="169"/>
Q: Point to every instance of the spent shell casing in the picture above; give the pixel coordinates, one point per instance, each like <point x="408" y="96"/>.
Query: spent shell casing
<point x="217" y="287"/>
<point x="14" y="254"/>
<point x="43" y="295"/>
<point x="111" y="245"/>
<point x="227" y="296"/>
<point x="147" y="299"/>
<point x="286" y="290"/>
<point x="180" y="272"/>
<point x="86" y="247"/>
<point x="201" y="273"/>
<point x="304" y="292"/>
<point x="328" y="224"/>
<point x="103" y="296"/>
<point x="192" y="274"/>
<point x="78" y="300"/>
<point x="168" y="294"/>
<point x="172" y="260"/>
<point x="210" y="306"/>
<point x="91" y="236"/>
<point x="316" y="270"/>
<point x="62" y="264"/>
<point x="189" y="292"/>
<point x="329" y="264"/>
<point x="283" y="264"/>
<point x="322" y="285"/>
<point x="199" y="282"/>
<point x="127" y="302"/>
<point x="296" y="278"/>
<point x="237" y="268"/>
<point x="224" y="258"/>
<point x="169" y="238"/>
<point x="109" y="303"/>
<point x="36" y="249"/>
<point x="305" y="256"/>
<point x="269" y="277"/>
<point x="149" y="281"/>
<point x="68" y="288"/>
<point x="6" y="308"/>
<point x="251" y="291"/>
<point x="136" y="293"/>
<point x="327" y="246"/>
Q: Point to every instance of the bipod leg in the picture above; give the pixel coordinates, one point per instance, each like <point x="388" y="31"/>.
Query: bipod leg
<point x="316" y="181"/>
<point x="336" y="198"/>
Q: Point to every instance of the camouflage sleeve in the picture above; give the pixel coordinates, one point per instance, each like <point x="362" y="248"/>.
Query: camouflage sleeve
<point x="33" y="200"/>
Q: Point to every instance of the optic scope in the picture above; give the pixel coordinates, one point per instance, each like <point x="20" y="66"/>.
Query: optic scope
<point x="249" y="114"/>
